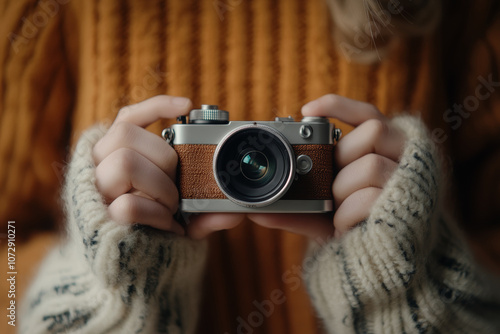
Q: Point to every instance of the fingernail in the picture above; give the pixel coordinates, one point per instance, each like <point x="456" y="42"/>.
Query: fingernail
<point x="180" y="101"/>
<point x="309" y="107"/>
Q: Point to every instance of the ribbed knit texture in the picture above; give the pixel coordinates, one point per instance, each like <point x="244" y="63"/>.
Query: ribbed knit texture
<point x="406" y="268"/>
<point x="110" y="277"/>
<point x="258" y="59"/>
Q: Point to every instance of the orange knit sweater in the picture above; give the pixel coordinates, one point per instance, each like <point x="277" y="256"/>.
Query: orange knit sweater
<point x="68" y="64"/>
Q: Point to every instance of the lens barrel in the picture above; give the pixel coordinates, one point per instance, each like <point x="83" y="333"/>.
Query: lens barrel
<point x="254" y="165"/>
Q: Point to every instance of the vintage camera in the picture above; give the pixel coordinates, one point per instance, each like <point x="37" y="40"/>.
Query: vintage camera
<point x="253" y="166"/>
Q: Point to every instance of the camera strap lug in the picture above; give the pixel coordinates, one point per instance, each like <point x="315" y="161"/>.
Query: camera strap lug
<point x="168" y="134"/>
<point x="336" y="134"/>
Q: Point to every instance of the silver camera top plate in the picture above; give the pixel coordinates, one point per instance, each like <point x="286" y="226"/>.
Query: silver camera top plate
<point x="212" y="134"/>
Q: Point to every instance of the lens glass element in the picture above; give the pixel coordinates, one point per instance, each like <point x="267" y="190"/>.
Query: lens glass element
<point x="254" y="165"/>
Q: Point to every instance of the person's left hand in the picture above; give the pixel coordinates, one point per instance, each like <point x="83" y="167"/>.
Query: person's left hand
<point x="366" y="158"/>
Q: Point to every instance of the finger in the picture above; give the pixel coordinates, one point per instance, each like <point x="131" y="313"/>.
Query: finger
<point x="127" y="135"/>
<point x="355" y="209"/>
<point x="149" y="111"/>
<point x="373" y="136"/>
<point x="315" y="226"/>
<point x="371" y="170"/>
<point x="125" y="169"/>
<point x="342" y="108"/>
<point x="200" y="226"/>
<point x="132" y="209"/>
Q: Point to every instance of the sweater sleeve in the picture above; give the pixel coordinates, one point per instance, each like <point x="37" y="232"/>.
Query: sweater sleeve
<point x="112" y="278"/>
<point x="407" y="267"/>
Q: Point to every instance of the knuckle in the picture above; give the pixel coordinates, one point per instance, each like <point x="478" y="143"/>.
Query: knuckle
<point x="376" y="128"/>
<point x="125" y="160"/>
<point x="376" y="164"/>
<point x="124" y="209"/>
<point x="123" y="111"/>
<point x="332" y="99"/>
<point x="118" y="135"/>
<point x="100" y="174"/>
<point x="122" y="130"/>
<point x="96" y="151"/>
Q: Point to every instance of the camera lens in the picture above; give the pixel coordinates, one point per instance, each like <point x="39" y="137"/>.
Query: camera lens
<point x="254" y="165"/>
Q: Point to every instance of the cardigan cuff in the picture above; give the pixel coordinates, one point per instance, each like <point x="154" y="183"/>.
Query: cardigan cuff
<point x="406" y="268"/>
<point x="134" y="258"/>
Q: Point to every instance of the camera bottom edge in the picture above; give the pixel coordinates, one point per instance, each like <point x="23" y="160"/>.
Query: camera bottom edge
<point x="281" y="206"/>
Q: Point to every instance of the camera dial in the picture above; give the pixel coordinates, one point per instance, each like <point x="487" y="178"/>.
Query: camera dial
<point x="208" y="114"/>
<point x="314" y="119"/>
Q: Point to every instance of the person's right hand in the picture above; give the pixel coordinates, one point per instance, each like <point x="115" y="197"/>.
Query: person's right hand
<point x="136" y="170"/>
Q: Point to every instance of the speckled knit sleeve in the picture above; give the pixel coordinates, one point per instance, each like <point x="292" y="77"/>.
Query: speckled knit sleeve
<point x="112" y="278"/>
<point x="407" y="268"/>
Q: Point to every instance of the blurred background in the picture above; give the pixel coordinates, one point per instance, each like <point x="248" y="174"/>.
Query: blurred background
<point x="67" y="64"/>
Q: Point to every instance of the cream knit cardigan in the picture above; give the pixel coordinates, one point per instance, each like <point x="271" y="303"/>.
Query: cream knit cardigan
<point x="405" y="269"/>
